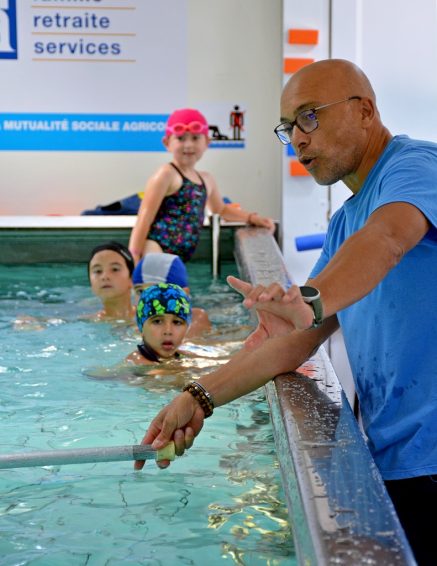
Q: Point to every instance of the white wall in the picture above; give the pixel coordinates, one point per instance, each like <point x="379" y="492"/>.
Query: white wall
<point x="234" y="57"/>
<point x="305" y="205"/>
<point x="395" y="43"/>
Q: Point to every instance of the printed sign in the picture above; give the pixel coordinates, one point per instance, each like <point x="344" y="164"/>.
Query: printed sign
<point x="92" y="75"/>
<point x="82" y="132"/>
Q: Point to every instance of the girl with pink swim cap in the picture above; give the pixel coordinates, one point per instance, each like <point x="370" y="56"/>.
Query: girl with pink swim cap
<point x="172" y="211"/>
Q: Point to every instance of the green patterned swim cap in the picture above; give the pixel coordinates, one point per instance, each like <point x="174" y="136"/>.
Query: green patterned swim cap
<point x="163" y="298"/>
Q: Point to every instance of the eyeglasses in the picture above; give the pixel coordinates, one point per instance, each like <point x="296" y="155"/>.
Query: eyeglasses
<point x="306" y="121"/>
<point x="193" y="127"/>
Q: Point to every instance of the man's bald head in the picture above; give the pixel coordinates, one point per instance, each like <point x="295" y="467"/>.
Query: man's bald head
<point x="328" y="80"/>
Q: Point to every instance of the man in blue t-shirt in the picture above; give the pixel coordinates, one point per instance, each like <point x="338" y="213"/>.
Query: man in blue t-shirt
<point x="375" y="278"/>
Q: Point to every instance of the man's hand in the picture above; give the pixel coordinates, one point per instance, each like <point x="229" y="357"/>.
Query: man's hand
<point x="279" y="311"/>
<point x="180" y="421"/>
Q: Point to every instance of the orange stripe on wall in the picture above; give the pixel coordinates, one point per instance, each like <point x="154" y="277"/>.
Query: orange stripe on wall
<point x="297" y="169"/>
<point x="303" y="36"/>
<point x="291" y="64"/>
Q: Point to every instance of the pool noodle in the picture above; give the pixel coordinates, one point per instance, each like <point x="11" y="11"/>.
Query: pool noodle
<point x="309" y="242"/>
<point x="87" y="455"/>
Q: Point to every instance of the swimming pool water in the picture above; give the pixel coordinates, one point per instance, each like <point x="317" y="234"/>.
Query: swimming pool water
<point x="220" y="503"/>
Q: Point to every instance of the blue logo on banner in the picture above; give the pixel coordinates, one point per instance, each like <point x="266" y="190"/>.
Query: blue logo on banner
<point x="82" y="132"/>
<point x="8" y="30"/>
<point x="87" y="132"/>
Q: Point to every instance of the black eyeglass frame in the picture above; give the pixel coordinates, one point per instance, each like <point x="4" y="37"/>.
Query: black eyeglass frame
<point x="290" y="125"/>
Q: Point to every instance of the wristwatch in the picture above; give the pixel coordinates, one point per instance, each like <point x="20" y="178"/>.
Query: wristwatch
<point x="311" y="296"/>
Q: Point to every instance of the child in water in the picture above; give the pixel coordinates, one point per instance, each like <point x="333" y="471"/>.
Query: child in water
<point x="169" y="268"/>
<point x="173" y="207"/>
<point x="110" y="269"/>
<point x="163" y="318"/>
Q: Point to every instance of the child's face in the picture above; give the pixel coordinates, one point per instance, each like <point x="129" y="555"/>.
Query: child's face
<point x="165" y="333"/>
<point x="109" y="275"/>
<point x="188" y="148"/>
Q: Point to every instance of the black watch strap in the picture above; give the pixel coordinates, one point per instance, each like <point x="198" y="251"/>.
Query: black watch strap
<point x="311" y="296"/>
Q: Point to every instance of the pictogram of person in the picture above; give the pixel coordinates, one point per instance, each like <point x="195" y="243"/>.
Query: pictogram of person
<point x="237" y="122"/>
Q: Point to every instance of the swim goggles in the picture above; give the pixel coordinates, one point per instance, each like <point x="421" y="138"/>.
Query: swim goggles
<point x="180" y="129"/>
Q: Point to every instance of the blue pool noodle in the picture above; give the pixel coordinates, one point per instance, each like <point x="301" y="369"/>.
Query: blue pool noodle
<point x="310" y="242"/>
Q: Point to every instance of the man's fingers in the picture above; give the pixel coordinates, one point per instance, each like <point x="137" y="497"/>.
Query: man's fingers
<point x="179" y="442"/>
<point x="241" y="286"/>
<point x="151" y="434"/>
<point x="292" y="294"/>
<point x="253" y="296"/>
<point x="249" y="292"/>
<point x="189" y="437"/>
<point x="258" y="294"/>
<point x="149" y="437"/>
<point x="165" y="434"/>
<point x="274" y="292"/>
<point x="261" y="293"/>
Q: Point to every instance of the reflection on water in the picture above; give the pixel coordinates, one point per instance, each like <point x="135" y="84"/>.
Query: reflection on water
<point x="221" y="501"/>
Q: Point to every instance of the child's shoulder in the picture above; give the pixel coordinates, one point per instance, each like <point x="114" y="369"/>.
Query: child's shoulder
<point x="167" y="170"/>
<point x="165" y="177"/>
<point x="137" y="359"/>
<point x="207" y="177"/>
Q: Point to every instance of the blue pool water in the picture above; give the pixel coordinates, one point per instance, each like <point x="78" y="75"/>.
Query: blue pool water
<point x="220" y="503"/>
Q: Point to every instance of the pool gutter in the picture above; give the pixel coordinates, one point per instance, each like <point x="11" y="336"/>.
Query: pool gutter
<point x="61" y="239"/>
<point x="339" y="510"/>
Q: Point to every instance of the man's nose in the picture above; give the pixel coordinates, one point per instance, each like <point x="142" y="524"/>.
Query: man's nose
<point x="299" y="139"/>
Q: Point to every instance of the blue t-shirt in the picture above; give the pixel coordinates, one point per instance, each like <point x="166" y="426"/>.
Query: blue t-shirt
<point x="391" y="334"/>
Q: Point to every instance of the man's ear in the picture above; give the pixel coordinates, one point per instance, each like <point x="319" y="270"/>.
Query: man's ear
<point x="368" y="112"/>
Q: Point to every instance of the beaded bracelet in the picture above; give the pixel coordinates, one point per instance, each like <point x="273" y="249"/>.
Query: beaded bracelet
<point x="202" y="397"/>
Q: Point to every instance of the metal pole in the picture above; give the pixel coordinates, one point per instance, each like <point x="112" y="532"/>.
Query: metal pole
<point x="215" y="240"/>
<point x="87" y="455"/>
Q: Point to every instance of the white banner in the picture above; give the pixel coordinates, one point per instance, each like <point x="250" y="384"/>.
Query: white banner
<point x="71" y="68"/>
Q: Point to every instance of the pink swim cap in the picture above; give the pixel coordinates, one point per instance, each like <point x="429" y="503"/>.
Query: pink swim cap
<point x="187" y="116"/>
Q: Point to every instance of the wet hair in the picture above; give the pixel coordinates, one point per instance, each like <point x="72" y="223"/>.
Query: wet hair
<point x="115" y="247"/>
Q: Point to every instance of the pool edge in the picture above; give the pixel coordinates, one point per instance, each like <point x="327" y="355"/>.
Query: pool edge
<point x="339" y="509"/>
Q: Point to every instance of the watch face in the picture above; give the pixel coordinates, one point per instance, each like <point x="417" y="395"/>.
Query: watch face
<point x="310" y="292"/>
